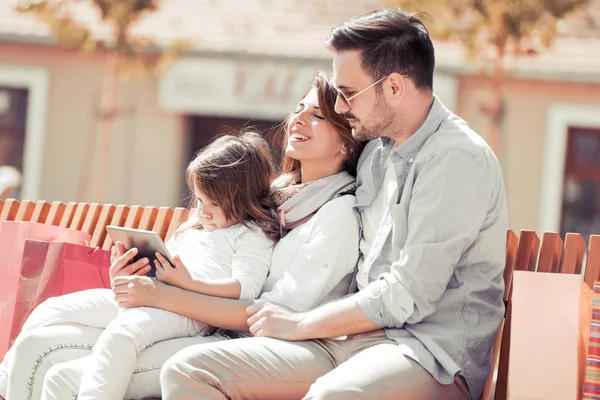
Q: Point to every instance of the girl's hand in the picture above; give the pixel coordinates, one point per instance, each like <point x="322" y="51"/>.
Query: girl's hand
<point x="116" y="251"/>
<point x="138" y="291"/>
<point x="176" y="275"/>
<point x="120" y="262"/>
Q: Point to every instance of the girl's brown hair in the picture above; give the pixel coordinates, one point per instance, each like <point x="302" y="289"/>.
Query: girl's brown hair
<point x="236" y="173"/>
<point x="327" y="96"/>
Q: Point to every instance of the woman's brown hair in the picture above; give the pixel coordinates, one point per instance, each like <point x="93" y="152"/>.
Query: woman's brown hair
<point x="327" y="96"/>
<point x="236" y="173"/>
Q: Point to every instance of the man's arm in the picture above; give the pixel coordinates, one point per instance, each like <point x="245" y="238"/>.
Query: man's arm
<point x="338" y="318"/>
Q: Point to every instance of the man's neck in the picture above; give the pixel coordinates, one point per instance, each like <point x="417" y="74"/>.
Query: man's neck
<point x="414" y="117"/>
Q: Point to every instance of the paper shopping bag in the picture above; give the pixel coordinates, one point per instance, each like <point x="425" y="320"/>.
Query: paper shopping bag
<point x="52" y="269"/>
<point x="12" y="243"/>
<point x="70" y="268"/>
<point x="549" y="336"/>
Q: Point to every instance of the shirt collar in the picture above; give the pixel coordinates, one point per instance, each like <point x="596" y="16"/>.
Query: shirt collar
<point x="411" y="147"/>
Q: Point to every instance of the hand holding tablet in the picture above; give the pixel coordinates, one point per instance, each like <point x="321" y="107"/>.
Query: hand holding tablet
<point x="148" y="244"/>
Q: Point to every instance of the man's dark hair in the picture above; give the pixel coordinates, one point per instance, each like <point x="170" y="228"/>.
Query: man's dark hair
<point x="388" y="41"/>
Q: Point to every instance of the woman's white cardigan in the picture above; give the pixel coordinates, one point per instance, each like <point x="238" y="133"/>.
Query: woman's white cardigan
<point x="314" y="263"/>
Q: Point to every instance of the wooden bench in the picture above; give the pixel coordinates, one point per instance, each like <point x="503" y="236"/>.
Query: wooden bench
<point x="523" y="253"/>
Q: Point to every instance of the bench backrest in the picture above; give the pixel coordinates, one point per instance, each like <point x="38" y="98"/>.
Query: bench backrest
<point x="93" y="218"/>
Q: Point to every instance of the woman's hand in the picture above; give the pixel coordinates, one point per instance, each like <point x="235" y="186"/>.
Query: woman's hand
<point x="120" y="262"/>
<point x="138" y="291"/>
<point x="177" y="275"/>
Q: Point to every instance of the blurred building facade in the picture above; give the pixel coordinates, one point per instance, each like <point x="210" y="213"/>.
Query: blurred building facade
<point x="249" y="64"/>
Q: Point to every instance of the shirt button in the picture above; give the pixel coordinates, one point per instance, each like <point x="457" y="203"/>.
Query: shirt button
<point x="410" y="160"/>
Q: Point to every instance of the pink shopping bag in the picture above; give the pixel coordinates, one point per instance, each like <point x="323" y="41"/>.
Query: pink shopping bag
<point x="12" y="244"/>
<point x="52" y="269"/>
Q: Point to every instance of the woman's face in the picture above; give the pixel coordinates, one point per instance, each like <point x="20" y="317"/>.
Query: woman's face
<point x="311" y="138"/>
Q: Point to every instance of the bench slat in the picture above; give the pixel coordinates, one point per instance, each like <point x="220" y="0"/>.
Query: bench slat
<point x="25" y="211"/>
<point x="572" y="258"/>
<point x="148" y="218"/>
<point x="592" y="268"/>
<point x="9" y="210"/>
<point x="550" y="252"/>
<point x="79" y="216"/>
<point x="527" y="251"/>
<point x="162" y="221"/>
<point x="57" y="210"/>
<point x="180" y="215"/>
<point x="99" y="233"/>
<point x="119" y="218"/>
<point x="512" y="243"/>
<point x="134" y="217"/>
<point x="67" y="215"/>
<point x="91" y="218"/>
<point x="40" y="212"/>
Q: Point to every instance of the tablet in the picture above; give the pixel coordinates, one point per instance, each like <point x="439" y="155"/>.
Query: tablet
<point x="148" y="244"/>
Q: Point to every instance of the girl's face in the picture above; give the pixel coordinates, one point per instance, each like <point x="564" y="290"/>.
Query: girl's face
<point x="311" y="138"/>
<point x="211" y="216"/>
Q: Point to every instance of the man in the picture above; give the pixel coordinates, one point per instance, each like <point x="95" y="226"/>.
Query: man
<point x="432" y="203"/>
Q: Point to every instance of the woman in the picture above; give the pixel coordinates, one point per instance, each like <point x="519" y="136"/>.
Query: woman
<point x="313" y="263"/>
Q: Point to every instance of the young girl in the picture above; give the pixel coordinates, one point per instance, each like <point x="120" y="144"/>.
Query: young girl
<point x="223" y="250"/>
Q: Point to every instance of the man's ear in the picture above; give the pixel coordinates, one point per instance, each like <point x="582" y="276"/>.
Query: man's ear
<point x="398" y="83"/>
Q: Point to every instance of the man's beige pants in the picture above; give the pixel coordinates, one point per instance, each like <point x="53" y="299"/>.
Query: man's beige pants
<point x="364" y="366"/>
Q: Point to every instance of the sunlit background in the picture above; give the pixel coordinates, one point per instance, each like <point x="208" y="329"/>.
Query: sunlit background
<point x="107" y="101"/>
